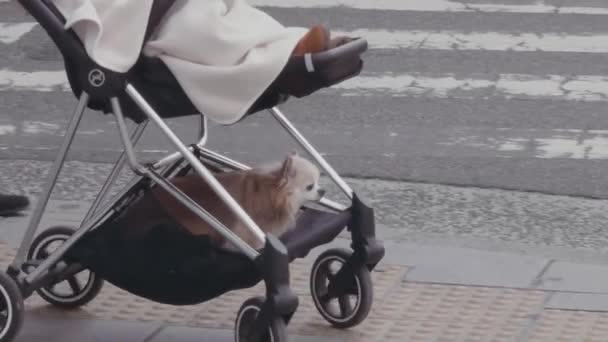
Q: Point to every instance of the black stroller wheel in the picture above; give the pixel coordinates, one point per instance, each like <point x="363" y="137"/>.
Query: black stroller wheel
<point x="350" y="306"/>
<point x="277" y="332"/>
<point x="76" y="290"/>
<point x="11" y="308"/>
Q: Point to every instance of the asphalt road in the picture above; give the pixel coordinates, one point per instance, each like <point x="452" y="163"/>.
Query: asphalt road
<point x="519" y="135"/>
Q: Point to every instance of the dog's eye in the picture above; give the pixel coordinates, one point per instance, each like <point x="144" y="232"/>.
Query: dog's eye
<point x="310" y="187"/>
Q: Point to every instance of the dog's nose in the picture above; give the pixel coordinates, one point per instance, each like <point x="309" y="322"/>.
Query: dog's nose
<point x="321" y="193"/>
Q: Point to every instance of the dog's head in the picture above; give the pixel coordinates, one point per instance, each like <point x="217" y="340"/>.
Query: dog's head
<point x="300" y="179"/>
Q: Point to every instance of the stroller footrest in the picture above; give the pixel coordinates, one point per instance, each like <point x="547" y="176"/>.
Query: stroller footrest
<point x="314" y="228"/>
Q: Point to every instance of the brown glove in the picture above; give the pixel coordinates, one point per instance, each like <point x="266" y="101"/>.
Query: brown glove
<point x="315" y="40"/>
<point x="318" y="39"/>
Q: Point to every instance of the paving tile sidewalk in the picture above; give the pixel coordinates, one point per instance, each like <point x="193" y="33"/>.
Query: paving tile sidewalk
<point x="422" y="293"/>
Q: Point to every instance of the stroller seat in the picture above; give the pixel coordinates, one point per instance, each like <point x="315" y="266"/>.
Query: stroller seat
<point x="156" y="81"/>
<point x="302" y="76"/>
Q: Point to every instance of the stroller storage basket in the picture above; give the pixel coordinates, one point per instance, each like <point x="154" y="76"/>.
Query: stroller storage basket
<point x="158" y="84"/>
<point x="143" y="250"/>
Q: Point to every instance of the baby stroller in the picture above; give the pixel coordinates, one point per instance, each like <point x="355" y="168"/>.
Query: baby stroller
<point x="136" y="245"/>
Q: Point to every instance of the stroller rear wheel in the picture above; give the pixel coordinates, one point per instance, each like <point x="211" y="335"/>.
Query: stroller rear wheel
<point x="11" y="308"/>
<point x="249" y="311"/>
<point x="343" y="302"/>
<point x="74" y="291"/>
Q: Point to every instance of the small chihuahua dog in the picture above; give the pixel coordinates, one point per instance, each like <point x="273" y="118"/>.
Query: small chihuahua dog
<point x="271" y="195"/>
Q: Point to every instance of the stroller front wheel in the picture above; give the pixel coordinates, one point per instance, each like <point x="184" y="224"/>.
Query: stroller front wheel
<point x="245" y="323"/>
<point x="342" y="296"/>
<point x="11" y="309"/>
<point x="74" y="291"/>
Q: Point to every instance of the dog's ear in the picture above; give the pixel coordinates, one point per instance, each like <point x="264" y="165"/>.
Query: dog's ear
<point x="286" y="171"/>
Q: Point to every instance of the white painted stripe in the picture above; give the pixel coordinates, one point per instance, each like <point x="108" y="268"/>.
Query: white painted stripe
<point x="494" y="41"/>
<point x="525" y="143"/>
<point x="33" y="81"/>
<point x="583" y="88"/>
<point x="39" y="127"/>
<point x="579" y="88"/>
<point x="7" y="129"/>
<point x="430" y="6"/>
<point x="11" y="32"/>
<point x="463" y="141"/>
<point x="442" y="40"/>
<point x="426" y="6"/>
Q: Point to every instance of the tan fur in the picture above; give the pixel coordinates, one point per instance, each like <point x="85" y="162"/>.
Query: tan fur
<point x="267" y="195"/>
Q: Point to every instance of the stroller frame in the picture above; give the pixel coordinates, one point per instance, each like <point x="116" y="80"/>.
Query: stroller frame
<point x="93" y="216"/>
<point x="29" y="276"/>
<point x="151" y="171"/>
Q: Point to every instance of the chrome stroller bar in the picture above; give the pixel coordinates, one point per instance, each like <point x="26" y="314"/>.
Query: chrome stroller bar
<point x="203" y="133"/>
<point x="124" y="137"/>
<point x="51" y="180"/>
<point x="173" y="157"/>
<point x="223" y="160"/>
<point x="135" y="136"/>
<point x="278" y="115"/>
<point x="168" y="160"/>
<point x="196" y="164"/>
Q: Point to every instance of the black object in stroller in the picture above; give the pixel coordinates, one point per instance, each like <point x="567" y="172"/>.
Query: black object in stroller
<point x="151" y="255"/>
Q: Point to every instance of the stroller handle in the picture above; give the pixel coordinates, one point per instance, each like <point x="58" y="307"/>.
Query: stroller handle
<point x="352" y="49"/>
<point x="53" y="22"/>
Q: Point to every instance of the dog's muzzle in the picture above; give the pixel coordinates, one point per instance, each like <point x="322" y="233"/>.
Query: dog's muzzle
<point x="321" y="193"/>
